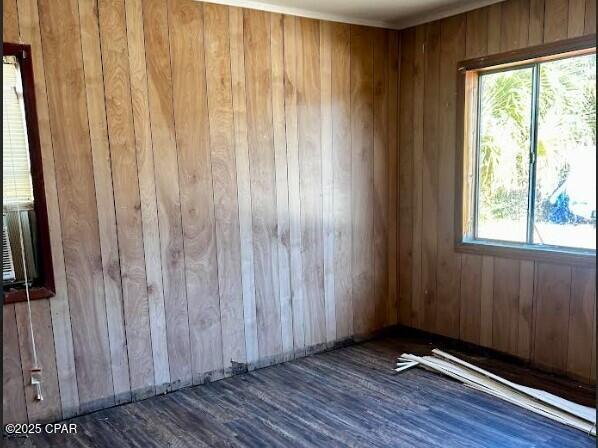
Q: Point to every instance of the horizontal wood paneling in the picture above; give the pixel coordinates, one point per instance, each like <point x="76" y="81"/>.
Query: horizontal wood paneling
<point x="204" y="163"/>
<point x="540" y="312"/>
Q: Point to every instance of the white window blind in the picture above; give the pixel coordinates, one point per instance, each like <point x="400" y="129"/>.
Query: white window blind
<point x="16" y="165"/>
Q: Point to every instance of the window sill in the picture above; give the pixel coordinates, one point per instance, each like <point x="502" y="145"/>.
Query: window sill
<point x="19" y="295"/>
<point x="523" y="252"/>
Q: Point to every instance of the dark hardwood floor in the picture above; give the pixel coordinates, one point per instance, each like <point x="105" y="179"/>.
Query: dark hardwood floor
<point x="345" y="397"/>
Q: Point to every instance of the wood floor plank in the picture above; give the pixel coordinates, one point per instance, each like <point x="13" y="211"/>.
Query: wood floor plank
<point x="235" y="18"/>
<point x="127" y="201"/>
<point x="341" y="148"/>
<point x="29" y="27"/>
<point x="282" y="187"/>
<point x="340" y="398"/>
<point x="155" y="20"/>
<point x="220" y="106"/>
<point x="63" y="60"/>
<point x="258" y="81"/>
<point x="147" y="191"/>
<point x="197" y="196"/>
<point x="310" y="173"/>
<point x="362" y="192"/>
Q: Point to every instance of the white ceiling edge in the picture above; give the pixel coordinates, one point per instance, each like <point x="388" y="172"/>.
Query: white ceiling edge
<point x="397" y="25"/>
<point x="441" y="13"/>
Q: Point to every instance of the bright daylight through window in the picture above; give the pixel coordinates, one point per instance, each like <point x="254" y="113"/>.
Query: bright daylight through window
<point x="536" y="162"/>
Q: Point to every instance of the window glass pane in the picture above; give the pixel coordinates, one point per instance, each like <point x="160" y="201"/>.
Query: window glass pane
<point x="503" y="163"/>
<point x="565" y="204"/>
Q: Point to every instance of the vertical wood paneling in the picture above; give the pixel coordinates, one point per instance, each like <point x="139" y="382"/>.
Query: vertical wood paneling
<point x="514" y="27"/>
<point x="310" y="173"/>
<point x="224" y="174"/>
<point x="258" y="79"/>
<point x="380" y="175"/>
<point x="167" y="190"/>
<point x="526" y="298"/>
<point x="417" y="296"/>
<point x="290" y="91"/>
<point x="79" y="222"/>
<point x="486" y="301"/>
<point x="197" y="195"/>
<point x="59" y="306"/>
<point x="147" y="190"/>
<point x="556" y="14"/>
<point x="551" y="308"/>
<point x="49" y="408"/>
<point x="237" y="64"/>
<point x="494" y="27"/>
<point x="576" y="20"/>
<point x="505" y="312"/>
<point x="590" y="18"/>
<point x="362" y="128"/>
<point x="10" y="29"/>
<point x="102" y="176"/>
<point x="282" y="189"/>
<point x="14" y="409"/>
<point x="430" y="171"/>
<point x="341" y="202"/>
<point x="126" y="196"/>
<point x="581" y="323"/>
<point x="406" y="177"/>
<point x="392" y="161"/>
<point x="327" y="177"/>
<point x="448" y="263"/>
<point x="470" y="304"/>
<point x="536" y="22"/>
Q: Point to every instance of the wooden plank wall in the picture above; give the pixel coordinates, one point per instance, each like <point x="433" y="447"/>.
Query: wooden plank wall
<point x="220" y="193"/>
<point x="538" y="311"/>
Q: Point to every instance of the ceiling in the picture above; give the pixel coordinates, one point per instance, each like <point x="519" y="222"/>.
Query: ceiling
<point x="382" y="13"/>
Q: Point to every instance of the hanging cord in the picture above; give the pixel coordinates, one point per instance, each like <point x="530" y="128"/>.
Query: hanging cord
<point x="36" y="369"/>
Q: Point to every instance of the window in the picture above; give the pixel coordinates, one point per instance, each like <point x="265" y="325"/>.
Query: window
<point x="27" y="261"/>
<point x="529" y="165"/>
